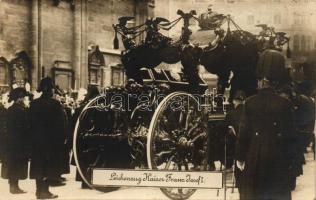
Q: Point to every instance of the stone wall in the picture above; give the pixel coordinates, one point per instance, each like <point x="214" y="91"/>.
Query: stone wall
<point x="101" y="15"/>
<point x="50" y="33"/>
<point x="15" y="26"/>
<point x="57" y="34"/>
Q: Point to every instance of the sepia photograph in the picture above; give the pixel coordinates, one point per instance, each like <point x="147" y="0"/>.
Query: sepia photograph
<point x="157" y="99"/>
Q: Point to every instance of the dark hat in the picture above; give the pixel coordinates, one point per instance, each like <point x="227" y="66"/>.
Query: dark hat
<point x="92" y="92"/>
<point x="271" y="66"/>
<point x="239" y="95"/>
<point x="46" y="84"/>
<point x="17" y="93"/>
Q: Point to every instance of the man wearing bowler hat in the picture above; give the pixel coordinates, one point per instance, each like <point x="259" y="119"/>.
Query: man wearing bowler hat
<point x="47" y="128"/>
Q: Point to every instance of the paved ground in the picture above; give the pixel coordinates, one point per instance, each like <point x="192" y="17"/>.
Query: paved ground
<point x="305" y="190"/>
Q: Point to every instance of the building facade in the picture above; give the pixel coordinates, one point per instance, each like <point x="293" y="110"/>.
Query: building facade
<point x="69" y="40"/>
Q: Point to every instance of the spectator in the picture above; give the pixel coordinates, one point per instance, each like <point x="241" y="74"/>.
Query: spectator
<point x="48" y="135"/>
<point x="232" y="120"/>
<point x="15" y="162"/>
<point x="3" y="128"/>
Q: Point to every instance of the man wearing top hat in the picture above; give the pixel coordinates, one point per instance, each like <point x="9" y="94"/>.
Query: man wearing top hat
<point x="15" y="162"/>
<point x="48" y="134"/>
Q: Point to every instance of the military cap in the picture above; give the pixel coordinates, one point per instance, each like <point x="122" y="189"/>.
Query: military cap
<point x="271" y="66"/>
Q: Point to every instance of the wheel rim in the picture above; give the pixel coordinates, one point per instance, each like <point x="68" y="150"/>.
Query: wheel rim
<point x="177" y="139"/>
<point x="89" y="150"/>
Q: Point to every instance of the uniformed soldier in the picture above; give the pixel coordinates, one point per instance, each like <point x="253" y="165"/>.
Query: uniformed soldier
<point x="15" y="162"/>
<point x="48" y="135"/>
<point x="265" y="150"/>
<point x="297" y="168"/>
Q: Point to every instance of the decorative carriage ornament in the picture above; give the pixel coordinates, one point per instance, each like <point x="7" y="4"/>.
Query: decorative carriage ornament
<point x="162" y="123"/>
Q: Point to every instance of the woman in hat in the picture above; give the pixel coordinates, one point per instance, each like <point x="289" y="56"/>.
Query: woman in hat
<point x="15" y="164"/>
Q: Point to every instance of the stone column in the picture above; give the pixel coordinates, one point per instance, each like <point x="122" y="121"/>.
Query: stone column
<point x="80" y="54"/>
<point x="76" y="60"/>
<point x="36" y="46"/>
<point x="141" y="14"/>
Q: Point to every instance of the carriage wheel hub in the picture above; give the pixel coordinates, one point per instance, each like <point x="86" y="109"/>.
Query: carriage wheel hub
<point x="183" y="142"/>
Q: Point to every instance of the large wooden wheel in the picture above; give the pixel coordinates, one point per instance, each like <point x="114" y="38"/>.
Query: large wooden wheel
<point x="177" y="138"/>
<point x="99" y="131"/>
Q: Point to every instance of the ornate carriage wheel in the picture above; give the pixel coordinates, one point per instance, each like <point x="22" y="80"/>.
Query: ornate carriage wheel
<point x="93" y="138"/>
<point x="177" y="138"/>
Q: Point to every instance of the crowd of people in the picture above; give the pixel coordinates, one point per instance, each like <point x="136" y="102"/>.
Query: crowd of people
<point x="272" y="130"/>
<point x="37" y="129"/>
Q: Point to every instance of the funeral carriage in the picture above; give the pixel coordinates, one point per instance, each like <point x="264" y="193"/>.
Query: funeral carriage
<point x="163" y="119"/>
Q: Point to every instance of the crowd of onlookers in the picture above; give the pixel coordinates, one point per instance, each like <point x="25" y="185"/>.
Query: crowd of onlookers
<point x="36" y="128"/>
<point x="271" y="129"/>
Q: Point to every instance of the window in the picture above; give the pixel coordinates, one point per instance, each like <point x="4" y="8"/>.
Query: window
<point x="3" y="72"/>
<point x="296" y="18"/>
<point x="63" y="78"/>
<point x="21" y="69"/>
<point x="96" y="61"/>
<point x="93" y="76"/>
<point x="277" y="19"/>
<point x="299" y="19"/>
<point x="250" y="20"/>
<point x="296" y="43"/>
<point x="116" y="77"/>
<point x="308" y="43"/>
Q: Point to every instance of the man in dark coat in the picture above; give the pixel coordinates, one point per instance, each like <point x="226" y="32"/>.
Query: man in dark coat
<point x="3" y="130"/>
<point x="65" y="156"/>
<point x="15" y="163"/>
<point x="265" y="150"/>
<point x="48" y="134"/>
<point x="232" y="121"/>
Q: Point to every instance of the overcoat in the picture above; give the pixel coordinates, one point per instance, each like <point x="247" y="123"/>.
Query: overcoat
<point x="15" y="161"/>
<point x="67" y="143"/>
<point x="304" y="121"/>
<point x="233" y="118"/>
<point x="47" y="121"/>
<point x="266" y="145"/>
<point x="3" y="130"/>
